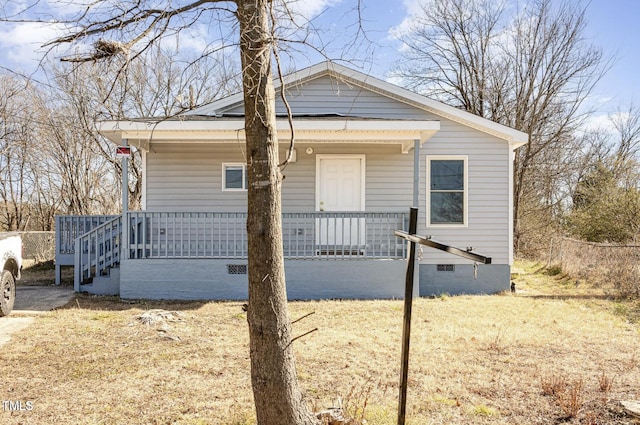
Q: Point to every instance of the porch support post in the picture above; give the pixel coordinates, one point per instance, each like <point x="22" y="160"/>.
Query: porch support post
<point x="416" y="201"/>
<point x="125" y="204"/>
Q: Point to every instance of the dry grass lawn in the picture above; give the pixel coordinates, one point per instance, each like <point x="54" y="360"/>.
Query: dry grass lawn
<point x="549" y="354"/>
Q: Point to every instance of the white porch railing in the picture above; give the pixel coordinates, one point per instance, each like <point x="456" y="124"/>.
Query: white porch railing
<point x="71" y="227"/>
<point x="68" y="229"/>
<point x="97" y="251"/>
<point x="315" y="235"/>
<point x="94" y="242"/>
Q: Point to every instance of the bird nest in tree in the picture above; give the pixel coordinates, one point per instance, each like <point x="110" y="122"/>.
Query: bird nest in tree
<point x="108" y="48"/>
<point x="103" y="49"/>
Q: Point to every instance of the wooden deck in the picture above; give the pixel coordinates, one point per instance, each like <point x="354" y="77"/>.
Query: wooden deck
<point x="93" y="244"/>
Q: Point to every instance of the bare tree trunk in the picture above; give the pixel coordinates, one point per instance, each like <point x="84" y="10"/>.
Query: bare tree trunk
<point x="277" y="397"/>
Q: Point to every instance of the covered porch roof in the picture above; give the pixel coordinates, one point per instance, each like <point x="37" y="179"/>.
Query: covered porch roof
<point x="230" y="129"/>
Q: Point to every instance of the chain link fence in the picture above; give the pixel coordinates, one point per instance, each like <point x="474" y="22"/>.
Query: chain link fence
<point x="608" y="266"/>
<point x="38" y="247"/>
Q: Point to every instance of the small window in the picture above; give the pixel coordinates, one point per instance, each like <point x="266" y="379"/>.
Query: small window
<point x="447" y="191"/>
<point x="234" y="177"/>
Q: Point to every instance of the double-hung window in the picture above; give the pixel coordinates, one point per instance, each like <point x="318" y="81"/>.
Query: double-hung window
<point x="447" y="191"/>
<point x="234" y="176"/>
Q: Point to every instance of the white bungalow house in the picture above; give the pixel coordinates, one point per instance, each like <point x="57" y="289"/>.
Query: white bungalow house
<point x="365" y="152"/>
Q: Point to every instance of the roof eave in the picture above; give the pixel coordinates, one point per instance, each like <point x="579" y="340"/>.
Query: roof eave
<point x="402" y="132"/>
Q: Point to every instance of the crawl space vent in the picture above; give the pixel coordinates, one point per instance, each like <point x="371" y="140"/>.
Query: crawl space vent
<point x="446" y="268"/>
<point x="236" y="269"/>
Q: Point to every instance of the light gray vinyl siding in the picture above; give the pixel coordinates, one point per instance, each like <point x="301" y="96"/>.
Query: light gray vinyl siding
<point x="326" y="95"/>
<point x="388" y="177"/>
<point x="189" y="177"/>
<point x="487" y="230"/>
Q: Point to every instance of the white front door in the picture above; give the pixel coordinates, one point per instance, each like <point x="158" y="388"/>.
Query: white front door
<point x="340" y="188"/>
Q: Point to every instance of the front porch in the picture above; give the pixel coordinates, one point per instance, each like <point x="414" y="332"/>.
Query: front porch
<point x="164" y="253"/>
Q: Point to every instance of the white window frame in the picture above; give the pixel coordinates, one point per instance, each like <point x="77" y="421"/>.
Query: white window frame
<point x="225" y="165"/>
<point x="465" y="197"/>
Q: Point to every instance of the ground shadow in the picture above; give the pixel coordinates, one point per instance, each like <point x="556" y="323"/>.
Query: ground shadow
<point x="114" y="303"/>
<point x="565" y="297"/>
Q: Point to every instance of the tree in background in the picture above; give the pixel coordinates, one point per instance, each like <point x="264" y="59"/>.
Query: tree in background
<point x="20" y="136"/>
<point x="53" y="161"/>
<point x="605" y="198"/>
<point x="121" y="35"/>
<point x="102" y="91"/>
<point x="527" y="66"/>
<point x="606" y="205"/>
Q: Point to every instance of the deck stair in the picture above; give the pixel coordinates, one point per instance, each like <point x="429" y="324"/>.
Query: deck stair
<point x="97" y="259"/>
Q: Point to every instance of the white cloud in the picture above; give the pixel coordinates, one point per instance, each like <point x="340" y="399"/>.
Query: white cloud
<point x="22" y="43"/>
<point x="194" y="38"/>
<point x="413" y="9"/>
<point x="44" y="9"/>
<point x="601" y="122"/>
<point x="310" y="8"/>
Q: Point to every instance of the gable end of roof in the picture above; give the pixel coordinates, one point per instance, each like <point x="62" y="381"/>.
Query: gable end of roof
<point x="351" y="76"/>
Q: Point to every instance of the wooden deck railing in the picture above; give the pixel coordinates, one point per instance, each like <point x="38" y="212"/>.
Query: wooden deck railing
<point x="71" y="227"/>
<point x="94" y="242"/>
<point x="68" y="229"/>
<point x="97" y="251"/>
<point x="314" y="235"/>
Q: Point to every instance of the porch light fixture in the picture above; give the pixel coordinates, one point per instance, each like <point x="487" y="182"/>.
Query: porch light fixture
<point x="309" y="151"/>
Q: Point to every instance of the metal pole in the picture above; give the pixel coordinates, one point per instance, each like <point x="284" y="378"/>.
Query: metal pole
<point x="406" y="328"/>
<point x="416" y="173"/>
<point x="416" y="202"/>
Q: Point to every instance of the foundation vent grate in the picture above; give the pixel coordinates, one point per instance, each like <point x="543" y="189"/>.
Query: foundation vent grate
<point x="236" y="269"/>
<point x="446" y="268"/>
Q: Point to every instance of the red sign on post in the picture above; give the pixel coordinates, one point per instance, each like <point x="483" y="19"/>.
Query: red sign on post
<point x="123" y="152"/>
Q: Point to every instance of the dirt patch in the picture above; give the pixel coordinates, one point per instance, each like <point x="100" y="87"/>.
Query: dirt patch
<point x="41" y="274"/>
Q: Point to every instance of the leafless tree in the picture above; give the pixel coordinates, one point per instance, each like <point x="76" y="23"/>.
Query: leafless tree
<point x="627" y="125"/>
<point x="527" y="65"/>
<point x="605" y="193"/>
<point x="452" y="53"/>
<point x="121" y="33"/>
<point x="18" y="142"/>
<point x="53" y="161"/>
<point x="88" y="172"/>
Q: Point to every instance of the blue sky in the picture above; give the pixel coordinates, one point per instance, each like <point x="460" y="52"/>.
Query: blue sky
<point x="612" y="24"/>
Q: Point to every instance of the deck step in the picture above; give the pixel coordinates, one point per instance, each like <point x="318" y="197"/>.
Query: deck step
<point x="104" y="285"/>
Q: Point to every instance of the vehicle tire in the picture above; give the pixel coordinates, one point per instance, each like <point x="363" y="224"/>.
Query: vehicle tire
<point x="7" y="292"/>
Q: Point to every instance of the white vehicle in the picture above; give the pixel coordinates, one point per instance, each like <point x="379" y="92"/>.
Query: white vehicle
<point x="10" y="267"/>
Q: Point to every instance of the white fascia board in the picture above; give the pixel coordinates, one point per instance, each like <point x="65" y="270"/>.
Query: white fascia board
<point x="516" y="145"/>
<point x="339" y="130"/>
